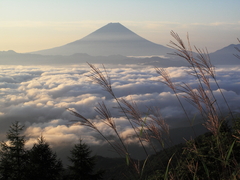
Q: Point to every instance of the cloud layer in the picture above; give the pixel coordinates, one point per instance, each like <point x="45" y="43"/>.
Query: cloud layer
<point x="39" y="96"/>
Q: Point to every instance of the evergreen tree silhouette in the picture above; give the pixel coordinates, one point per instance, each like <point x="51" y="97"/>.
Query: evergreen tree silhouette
<point x="83" y="163"/>
<point x="43" y="163"/>
<point x="13" y="157"/>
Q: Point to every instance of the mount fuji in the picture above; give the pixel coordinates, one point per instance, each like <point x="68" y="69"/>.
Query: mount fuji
<point x="111" y="39"/>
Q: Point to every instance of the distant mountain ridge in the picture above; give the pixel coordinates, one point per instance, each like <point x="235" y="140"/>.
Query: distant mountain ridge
<point x="111" y="39"/>
<point x="225" y="56"/>
<point x="13" y="58"/>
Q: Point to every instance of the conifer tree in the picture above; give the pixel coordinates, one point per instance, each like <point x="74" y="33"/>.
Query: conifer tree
<point x="13" y="158"/>
<point x="43" y="163"/>
<point x="83" y="163"/>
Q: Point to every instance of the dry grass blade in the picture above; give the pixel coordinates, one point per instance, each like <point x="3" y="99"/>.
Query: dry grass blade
<point x="204" y="65"/>
<point x="157" y="133"/>
<point x="106" y="118"/>
<point x="206" y="70"/>
<point x="147" y="130"/>
<point x="105" y="115"/>
<point x="97" y="76"/>
<point x="121" y="150"/>
<point x="157" y="128"/>
<point x="166" y="78"/>
<point x="159" y="120"/>
<point x="204" y="62"/>
<point x="208" y="101"/>
<point x="202" y="69"/>
<point x="132" y="110"/>
<point x="181" y="45"/>
<point x="142" y="124"/>
<point x="188" y="53"/>
<point x="181" y="49"/>
<point x="212" y="124"/>
<point x="192" y="96"/>
<point x="82" y="120"/>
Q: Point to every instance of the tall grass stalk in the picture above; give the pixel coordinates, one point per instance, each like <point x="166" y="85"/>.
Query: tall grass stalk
<point x="167" y="80"/>
<point x="203" y="97"/>
<point x="200" y="65"/>
<point x="97" y="76"/>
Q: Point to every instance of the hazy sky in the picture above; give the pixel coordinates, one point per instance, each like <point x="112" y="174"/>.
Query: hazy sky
<point x="28" y="25"/>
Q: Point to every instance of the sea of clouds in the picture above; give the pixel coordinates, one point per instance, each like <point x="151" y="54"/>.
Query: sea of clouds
<point x="39" y="96"/>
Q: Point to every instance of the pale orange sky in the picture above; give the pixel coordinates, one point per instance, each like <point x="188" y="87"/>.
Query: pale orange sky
<point x="27" y="26"/>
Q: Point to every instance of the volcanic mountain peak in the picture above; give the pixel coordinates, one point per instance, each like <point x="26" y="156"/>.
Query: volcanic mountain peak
<point x="113" y="28"/>
<point x="111" y="39"/>
<point x="114" y="32"/>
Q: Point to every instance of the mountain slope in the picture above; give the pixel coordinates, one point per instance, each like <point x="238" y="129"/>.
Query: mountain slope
<point x="111" y="39"/>
<point x="225" y="56"/>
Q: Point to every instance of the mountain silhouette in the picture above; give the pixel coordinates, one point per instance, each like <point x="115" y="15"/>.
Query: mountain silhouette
<point x="225" y="56"/>
<point x="111" y="39"/>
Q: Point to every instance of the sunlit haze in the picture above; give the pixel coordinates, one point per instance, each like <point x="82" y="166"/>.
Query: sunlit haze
<point x="27" y="26"/>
